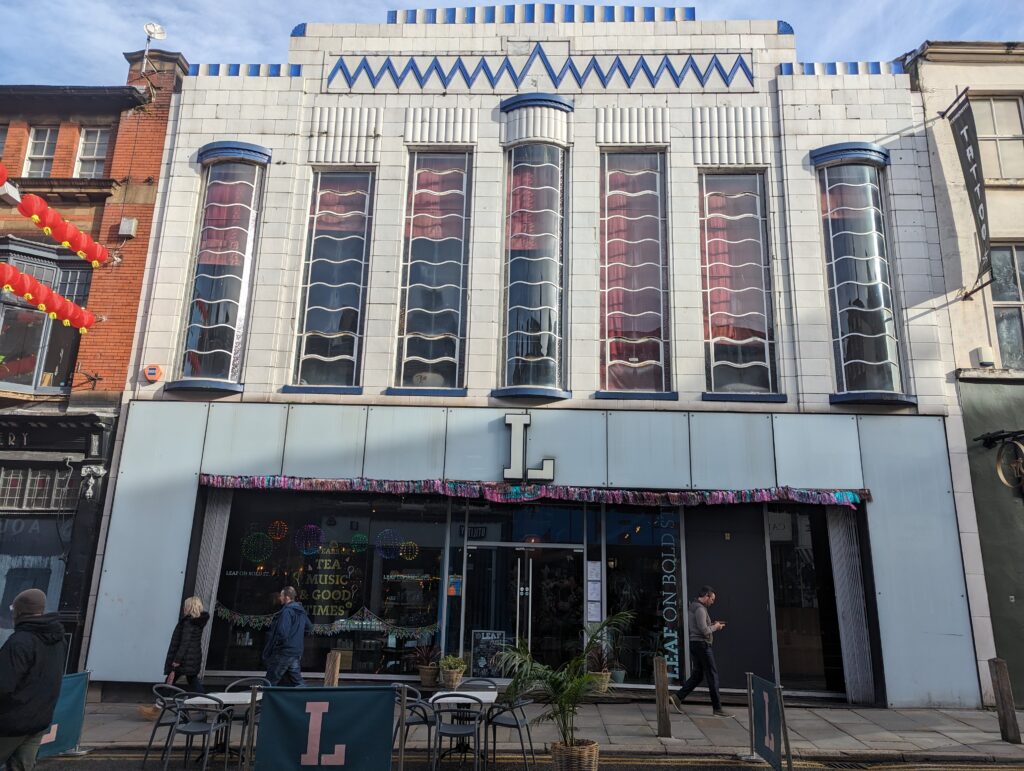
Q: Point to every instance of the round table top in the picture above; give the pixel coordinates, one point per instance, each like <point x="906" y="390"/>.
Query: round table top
<point x="487" y="697"/>
<point x="228" y="698"/>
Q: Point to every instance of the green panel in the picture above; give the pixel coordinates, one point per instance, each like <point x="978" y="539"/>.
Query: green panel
<point x="994" y="407"/>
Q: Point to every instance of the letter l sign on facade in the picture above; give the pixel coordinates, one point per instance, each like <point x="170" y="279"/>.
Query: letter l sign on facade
<point x="517" y="471"/>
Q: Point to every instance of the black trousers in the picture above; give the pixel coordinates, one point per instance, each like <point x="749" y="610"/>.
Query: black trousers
<point x="702" y="667"/>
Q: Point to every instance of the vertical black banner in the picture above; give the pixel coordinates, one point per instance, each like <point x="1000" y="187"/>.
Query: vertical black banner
<point x="961" y="120"/>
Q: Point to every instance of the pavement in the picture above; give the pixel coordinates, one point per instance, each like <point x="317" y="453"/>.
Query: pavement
<point x="820" y="737"/>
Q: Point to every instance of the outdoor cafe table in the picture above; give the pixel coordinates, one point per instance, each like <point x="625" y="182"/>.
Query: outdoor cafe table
<point x="487" y="697"/>
<point x="229" y="699"/>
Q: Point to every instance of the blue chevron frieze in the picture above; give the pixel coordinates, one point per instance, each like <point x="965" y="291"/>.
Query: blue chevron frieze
<point x="663" y="67"/>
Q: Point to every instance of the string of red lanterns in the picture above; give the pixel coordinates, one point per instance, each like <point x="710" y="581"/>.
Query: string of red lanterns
<point x="45" y="299"/>
<point x="62" y="231"/>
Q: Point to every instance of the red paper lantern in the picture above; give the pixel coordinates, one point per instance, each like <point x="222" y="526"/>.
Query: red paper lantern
<point x="49" y="219"/>
<point x="22" y="285"/>
<point x="7" y="273"/>
<point x="96" y="254"/>
<point x="3" y="174"/>
<point x="61" y="309"/>
<point x="32" y="206"/>
<point x="75" y="241"/>
<point x="88" y="319"/>
<point x="64" y="232"/>
<point x="42" y="297"/>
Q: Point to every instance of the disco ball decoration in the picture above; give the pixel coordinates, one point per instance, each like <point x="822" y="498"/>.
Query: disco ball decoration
<point x="409" y="550"/>
<point x="359" y="543"/>
<point x="278" y="530"/>
<point x="388" y="543"/>
<point x="309" y="539"/>
<point x="256" y="547"/>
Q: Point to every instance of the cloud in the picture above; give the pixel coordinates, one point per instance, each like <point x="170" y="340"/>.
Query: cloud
<point x="79" y="42"/>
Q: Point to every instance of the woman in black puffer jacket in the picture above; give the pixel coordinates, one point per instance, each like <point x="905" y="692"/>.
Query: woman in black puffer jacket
<point x="185" y="653"/>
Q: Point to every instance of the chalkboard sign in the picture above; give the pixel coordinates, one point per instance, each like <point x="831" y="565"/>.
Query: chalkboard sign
<point x="487" y="643"/>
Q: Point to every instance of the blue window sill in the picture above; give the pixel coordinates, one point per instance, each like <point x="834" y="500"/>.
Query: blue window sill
<point x="874" y="397"/>
<point x="337" y="390"/>
<point x="708" y="396"/>
<point x="199" y="384"/>
<point x="662" y="396"/>
<point x="425" y="391"/>
<point x="530" y="391"/>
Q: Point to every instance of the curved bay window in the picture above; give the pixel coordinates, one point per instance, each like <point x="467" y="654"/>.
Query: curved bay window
<point x="37" y="353"/>
<point x="340" y="216"/>
<point x="634" y="273"/>
<point x="534" y="280"/>
<point x="432" y="328"/>
<point x="217" y="315"/>
<point x="739" y="338"/>
<point x="864" y="335"/>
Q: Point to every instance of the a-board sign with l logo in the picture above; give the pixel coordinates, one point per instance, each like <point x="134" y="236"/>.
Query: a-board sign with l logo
<point x="768" y="723"/>
<point x="68" y="716"/>
<point x="348" y="727"/>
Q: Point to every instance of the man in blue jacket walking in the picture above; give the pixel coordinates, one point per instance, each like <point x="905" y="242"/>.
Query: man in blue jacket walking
<point x="283" y="652"/>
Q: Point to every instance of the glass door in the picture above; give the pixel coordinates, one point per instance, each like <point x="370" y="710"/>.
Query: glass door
<point x="516" y="592"/>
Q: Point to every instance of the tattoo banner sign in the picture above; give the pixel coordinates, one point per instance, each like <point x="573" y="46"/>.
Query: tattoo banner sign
<point x="314" y="728"/>
<point x="68" y="716"/>
<point x="961" y="121"/>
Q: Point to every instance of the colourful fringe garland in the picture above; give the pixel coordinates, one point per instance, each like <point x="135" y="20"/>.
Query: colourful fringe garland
<point x="362" y="621"/>
<point x="505" y="493"/>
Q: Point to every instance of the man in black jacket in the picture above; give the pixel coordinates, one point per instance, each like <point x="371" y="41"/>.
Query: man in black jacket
<point x="285" y="641"/>
<point x="31" y="667"/>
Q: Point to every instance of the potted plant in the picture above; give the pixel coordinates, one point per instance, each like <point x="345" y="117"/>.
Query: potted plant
<point x="452" y="668"/>
<point x="563" y="690"/>
<point x="426" y="659"/>
<point x="616" y="671"/>
<point x="597" y="662"/>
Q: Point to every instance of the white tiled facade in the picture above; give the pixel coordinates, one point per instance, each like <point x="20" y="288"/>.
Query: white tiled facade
<point x="711" y="95"/>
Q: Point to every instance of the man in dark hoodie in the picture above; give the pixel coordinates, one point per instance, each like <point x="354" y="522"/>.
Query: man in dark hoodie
<point x="285" y="641"/>
<point x="31" y="667"/>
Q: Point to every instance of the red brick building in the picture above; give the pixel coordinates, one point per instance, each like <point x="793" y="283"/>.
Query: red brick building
<point x="94" y="154"/>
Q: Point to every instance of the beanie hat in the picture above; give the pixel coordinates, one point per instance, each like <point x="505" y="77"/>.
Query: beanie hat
<point x="31" y="602"/>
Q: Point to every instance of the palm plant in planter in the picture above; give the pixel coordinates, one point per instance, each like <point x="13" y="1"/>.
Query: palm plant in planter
<point x="426" y="660"/>
<point x="562" y="689"/>
<point x="598" y="662"/>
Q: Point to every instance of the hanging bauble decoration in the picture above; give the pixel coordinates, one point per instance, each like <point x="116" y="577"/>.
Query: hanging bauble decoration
<point x="388" y="542"/>
<point x="33" y="207"/>
<point x="256" y="547"/>
<point x="309" y="539"/>
<point x="409" y="550"/>
<point x="278" y="530"/>
<point x="360" y="542"/>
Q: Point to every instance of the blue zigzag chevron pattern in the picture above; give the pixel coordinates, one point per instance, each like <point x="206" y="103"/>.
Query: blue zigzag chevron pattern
<point x="662" y="68"/>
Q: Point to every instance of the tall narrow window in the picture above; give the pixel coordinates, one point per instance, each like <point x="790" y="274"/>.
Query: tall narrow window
<point x="330" y="342"/>
<point x="217" y="314"/>
<point x="1008" y="302"/>
<point x="433" y="325"/>
<point x="533" y="238"/>
<point x="1000" y="125"/>
<point x="42" y="146"/>
<point x="864" y="335"/>
<point x="739" y="337"/>
<point x="634" y="274"/>
<point x="92" y="153"/>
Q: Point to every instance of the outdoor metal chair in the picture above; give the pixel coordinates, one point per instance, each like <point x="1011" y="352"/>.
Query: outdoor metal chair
<point x="207" y="719"/>
<point x="465" y="719"/>
<point x="417" y="713"/>
<point x="241" y="714"/>
<point x="511" y="716"/>
<point x="168" y="716"/>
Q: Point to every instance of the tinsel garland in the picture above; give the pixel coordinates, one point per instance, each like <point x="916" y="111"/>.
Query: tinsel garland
<point x="362" y="621"/>
<point x="499" y="492"/>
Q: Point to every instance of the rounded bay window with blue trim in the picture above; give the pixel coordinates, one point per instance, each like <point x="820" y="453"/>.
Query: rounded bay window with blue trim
<point x="865" y="334"/>
<point x="221" y="280"/>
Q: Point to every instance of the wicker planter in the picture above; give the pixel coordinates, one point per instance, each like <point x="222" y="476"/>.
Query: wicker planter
<point x="428" y="675"/>
<point x="581" y="756"/>
<point x="601" y="681"/>
<point x="450" y="678"/>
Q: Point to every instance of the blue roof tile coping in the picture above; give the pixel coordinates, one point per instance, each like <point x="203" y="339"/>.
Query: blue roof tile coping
<point x="299" y="30"/>
<point x="250" y="70"/>
<point x="542" y="13"/>
<point x="841" y="68"/>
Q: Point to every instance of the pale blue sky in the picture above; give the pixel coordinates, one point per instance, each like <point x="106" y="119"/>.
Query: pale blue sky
<point x="79" y="42"/>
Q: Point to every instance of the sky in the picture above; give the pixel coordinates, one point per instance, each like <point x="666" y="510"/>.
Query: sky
<point x="80" y="42"/>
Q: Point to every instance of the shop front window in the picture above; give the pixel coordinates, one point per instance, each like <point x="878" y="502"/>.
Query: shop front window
<point x="368" y="571"/>
<point x="643" y="575"/>
<point x="1008" y="303"/>
<point x="634" y="273"/>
